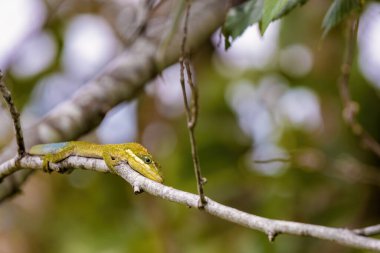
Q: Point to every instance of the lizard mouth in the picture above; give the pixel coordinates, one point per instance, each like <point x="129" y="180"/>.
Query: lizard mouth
<point x="158" y="179"/>
<point x="155" y="177"/>
<point x="151" y="173"/>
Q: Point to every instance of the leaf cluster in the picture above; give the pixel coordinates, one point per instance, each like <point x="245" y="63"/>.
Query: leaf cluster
<point x="266" y="11"/>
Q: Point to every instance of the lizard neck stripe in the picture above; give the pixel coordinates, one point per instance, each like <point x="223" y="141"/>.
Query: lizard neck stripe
<point x="136" y="158"/>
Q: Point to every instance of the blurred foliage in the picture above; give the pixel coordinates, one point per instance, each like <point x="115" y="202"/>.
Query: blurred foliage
<point x="239" y="18"/>
<point x="273" y="10"/>
<point x="338" y="10"/>
<point x="253" y="11"/>
<point x="267" y="11"/>
<point x="326" y="181"/>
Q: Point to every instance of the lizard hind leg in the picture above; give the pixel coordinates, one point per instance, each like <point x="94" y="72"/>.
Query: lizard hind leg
<point x="57" y="157"/>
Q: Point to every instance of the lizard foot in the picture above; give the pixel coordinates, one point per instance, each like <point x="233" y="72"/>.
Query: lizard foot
<point x="46" y="167"/>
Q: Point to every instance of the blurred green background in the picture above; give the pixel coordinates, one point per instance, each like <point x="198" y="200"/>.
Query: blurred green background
<point x="264" y="98"/>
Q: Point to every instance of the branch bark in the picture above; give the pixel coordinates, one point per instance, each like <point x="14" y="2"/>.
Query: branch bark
<point x="368" y="231"/>
<point x="271" y="227"/>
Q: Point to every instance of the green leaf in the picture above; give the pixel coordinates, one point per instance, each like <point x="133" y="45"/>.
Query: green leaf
<point x="239" y="18"/>
<point x="275" y="9"/>
<point x="338" y="11"/>
<point x="289" y="6"/>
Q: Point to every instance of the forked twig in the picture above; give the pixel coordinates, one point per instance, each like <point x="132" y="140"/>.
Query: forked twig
<point x="368" y="231"/>
<point x="192" y="109"/>
<point x="350" y="107"/>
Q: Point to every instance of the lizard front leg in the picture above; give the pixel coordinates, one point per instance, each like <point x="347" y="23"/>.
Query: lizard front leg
<point x="110" y="161"/>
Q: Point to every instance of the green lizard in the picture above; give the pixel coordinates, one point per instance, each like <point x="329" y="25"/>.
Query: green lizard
<point x="135" y="154"/>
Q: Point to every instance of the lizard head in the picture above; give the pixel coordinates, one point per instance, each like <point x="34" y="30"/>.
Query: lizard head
<point x="142" y="161"/>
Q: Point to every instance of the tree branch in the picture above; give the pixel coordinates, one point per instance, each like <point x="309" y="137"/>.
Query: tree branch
<point x="123" y="79"/>
<point x="271" y="227"/>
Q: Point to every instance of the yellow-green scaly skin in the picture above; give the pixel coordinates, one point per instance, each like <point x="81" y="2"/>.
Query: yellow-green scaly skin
<point x="135" y="154"/>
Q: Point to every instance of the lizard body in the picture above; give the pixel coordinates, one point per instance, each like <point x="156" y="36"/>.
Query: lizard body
<point x="135" y="154"/>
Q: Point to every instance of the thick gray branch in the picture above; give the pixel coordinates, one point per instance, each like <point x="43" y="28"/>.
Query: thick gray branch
<point x="269" y="226"/>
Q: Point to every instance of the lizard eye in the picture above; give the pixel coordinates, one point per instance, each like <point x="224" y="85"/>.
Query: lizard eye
<point x="147" y="160"/>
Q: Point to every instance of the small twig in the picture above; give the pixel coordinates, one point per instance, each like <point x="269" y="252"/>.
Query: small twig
<point x="15" y="116"/>
<point x="192" y="109"/>
<point x="368" y="231"/>
<point x="273" y="160"/>
<point x="350" y="107"/>
<point x="194" y="96"/>
<point x="182" y="81"/>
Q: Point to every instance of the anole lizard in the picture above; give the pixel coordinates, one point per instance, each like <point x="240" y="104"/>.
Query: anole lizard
<point x="135" y="154"/>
